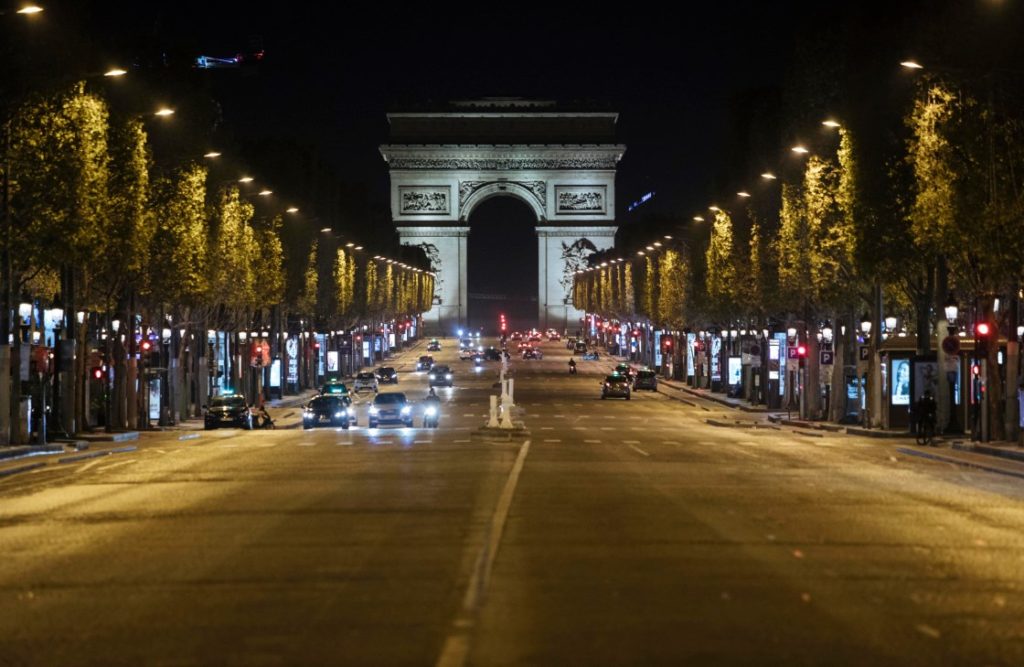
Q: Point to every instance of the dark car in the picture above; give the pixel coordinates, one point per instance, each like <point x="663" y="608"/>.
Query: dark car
<point x="228" y="410"/>
<point x="334" y="388"/>
<point x="615" y="385"/>
<point x="532" y="353"/>
<point x="328" y="410"/>
<point x="440" y="376"/>
<point x="387" y="375"/>
<point x="433" y="346"/>
<point x="425" y="362"/>
<point x="627" y="370"/>
<point x="390" y="408"/>
<point x="645" y="380"/>
<point x="492" y="354"/>
<point x="579" y="347"/>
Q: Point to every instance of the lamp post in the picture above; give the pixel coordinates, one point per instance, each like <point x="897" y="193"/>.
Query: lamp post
<point x="865" y="328"/>
<point x="952" y="311"/>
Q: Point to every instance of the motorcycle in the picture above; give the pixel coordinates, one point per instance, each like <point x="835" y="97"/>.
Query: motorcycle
<point x="591" y="356"/>
<point x="263" y="419"/>
<point x="431" y="413"/>
<point x="572" y="369"/>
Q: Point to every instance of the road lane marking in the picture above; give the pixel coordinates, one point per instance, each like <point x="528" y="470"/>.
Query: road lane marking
<point x="552" y="440"/>
<point x="469" y="414"/>
<point x="607" y="428"/>
<point x="89" y="465"/>
<point x="463" y="440"/>
<point x="631" y="442"/>
<point x="559" y="416"/>
<point x="637" y="449"/>
<point x="547" y="428"/>
<point x="307" y="444"/>
<point x="579" y="428"/>
<point x="115" y="465"/>
<point x="592" y="441"/>
<point x="456" y="646"/>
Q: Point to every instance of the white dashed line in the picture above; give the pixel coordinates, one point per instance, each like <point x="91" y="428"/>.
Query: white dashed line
<point x="547" y="428"/>
<point x="463" y="440"/>
<point x="607" y="428"/>
<point x="637" y="449"/>
<point x="307" y="444"/>
<point x="631" y="442"/>
<point x="592" y="441"/>
<point x="552" y="440"/>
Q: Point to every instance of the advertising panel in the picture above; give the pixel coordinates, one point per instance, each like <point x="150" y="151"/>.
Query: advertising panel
<point x="691" y="338"/>
<point x="735" y="370"/>
<point x="900" y="386"/>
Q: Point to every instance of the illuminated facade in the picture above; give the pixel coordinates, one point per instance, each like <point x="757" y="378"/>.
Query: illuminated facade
<point x="561" y="163"/>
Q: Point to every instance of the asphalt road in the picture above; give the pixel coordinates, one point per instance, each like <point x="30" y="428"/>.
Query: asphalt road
<point x="618" y="533"/>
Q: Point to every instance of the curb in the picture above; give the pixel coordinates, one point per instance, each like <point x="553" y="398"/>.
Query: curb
<point x="1011" y="454"/>
<point x="960" y="462"/>
<point x="717" y="399"/>
<point x="126" y="436"/>
<point x="24" y="468"/>
<point x="12" y="453"/>
<point x="97" y="454"/>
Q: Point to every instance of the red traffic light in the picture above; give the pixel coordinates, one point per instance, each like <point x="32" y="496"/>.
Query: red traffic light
<point x="982" y="329"/>
<point x="145" y="345"/>
<point x="801" y="350"/>
<point x="97" y="373"/>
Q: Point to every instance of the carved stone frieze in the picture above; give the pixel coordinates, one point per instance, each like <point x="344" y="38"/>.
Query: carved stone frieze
<point x="503" y="164"/>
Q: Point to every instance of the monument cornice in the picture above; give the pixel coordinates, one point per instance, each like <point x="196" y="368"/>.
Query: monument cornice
<point x="498" y="157"/>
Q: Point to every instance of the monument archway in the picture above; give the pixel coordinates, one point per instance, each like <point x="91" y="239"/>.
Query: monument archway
<point x="502" y="263"/>
<point x="561" y="163"/>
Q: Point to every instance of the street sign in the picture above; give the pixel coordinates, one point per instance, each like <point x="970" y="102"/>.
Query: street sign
<point x="826" y="357"/>
<point x="951" y="345"/>
<point x="864" y="352"/>
<point x="792" y="353"/>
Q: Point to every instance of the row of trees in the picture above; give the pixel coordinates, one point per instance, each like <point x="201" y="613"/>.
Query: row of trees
<point x="96" y="224"/>
<point x="832" y="238"/>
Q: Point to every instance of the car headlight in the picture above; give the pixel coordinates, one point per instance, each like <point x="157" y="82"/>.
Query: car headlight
<point x="430" y="412"/>
<point x="448" y="376"/>
<point x="373" y="410"/>
<point x="433" y="377"/>
<point x="339" y="414"/>
<point x="406" y="410"/>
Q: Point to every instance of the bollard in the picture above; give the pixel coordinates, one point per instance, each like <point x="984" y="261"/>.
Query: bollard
<point x="506" y="413"/>
<point x="493" y="421"/>
<point x="511" y="393"/>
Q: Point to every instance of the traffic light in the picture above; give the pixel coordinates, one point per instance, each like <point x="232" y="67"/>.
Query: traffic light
<point x="666" y="344"/>
<point x="97" y="373"/>
<point x="982" y="335"/>
<point x="145" y="346"/>
<point x="801" y="354"/>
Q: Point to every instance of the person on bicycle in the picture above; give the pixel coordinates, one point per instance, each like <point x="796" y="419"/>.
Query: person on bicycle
<point x="925" y="412"/>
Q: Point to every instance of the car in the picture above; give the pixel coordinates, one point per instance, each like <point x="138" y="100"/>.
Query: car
<point x="467" y="344"/>
<point x="440" y="376"/>
<point x="516" y="335"/>
<point x="627" y="370"/>
<point x="328" y="410"/>
<point x="390" y="408"/>
<point x="579" y="347"/>
<point x="554" y="336"/>
<point x="334" y="387"/>
<point x="531" y="353"/>
<point x="433" y="346"/>
<point x="645" y="379"/>
<point x="492" y="354"/>
<point x="535" y="337"/>
<point x="424" y="363"/>
<point x="365" y="381"/>
<point x="387" y="375"/>
<point x="615" y="385"/>
<point x="228" y="410"/>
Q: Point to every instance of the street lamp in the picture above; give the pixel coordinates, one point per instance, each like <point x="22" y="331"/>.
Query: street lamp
<point x="952" y="310"/>
<point x="865" y="324"/>
<point x="890" y="323"/>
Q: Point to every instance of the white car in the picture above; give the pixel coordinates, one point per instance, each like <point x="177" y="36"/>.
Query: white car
<point x="467" y="354"/>
<point x="365" y="382"/>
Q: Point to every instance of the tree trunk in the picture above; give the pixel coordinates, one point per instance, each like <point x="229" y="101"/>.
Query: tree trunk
<point x="812" y="378"/>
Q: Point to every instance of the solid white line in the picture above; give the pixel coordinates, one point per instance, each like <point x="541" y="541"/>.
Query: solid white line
<point x="456" y="646"/>
<point x="637" y="449"/>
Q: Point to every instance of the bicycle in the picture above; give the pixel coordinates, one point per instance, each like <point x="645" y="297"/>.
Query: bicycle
<point x="926" y="432"/>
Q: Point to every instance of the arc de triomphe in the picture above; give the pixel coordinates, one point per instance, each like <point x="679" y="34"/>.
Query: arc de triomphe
<point x="443" y="164"/>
